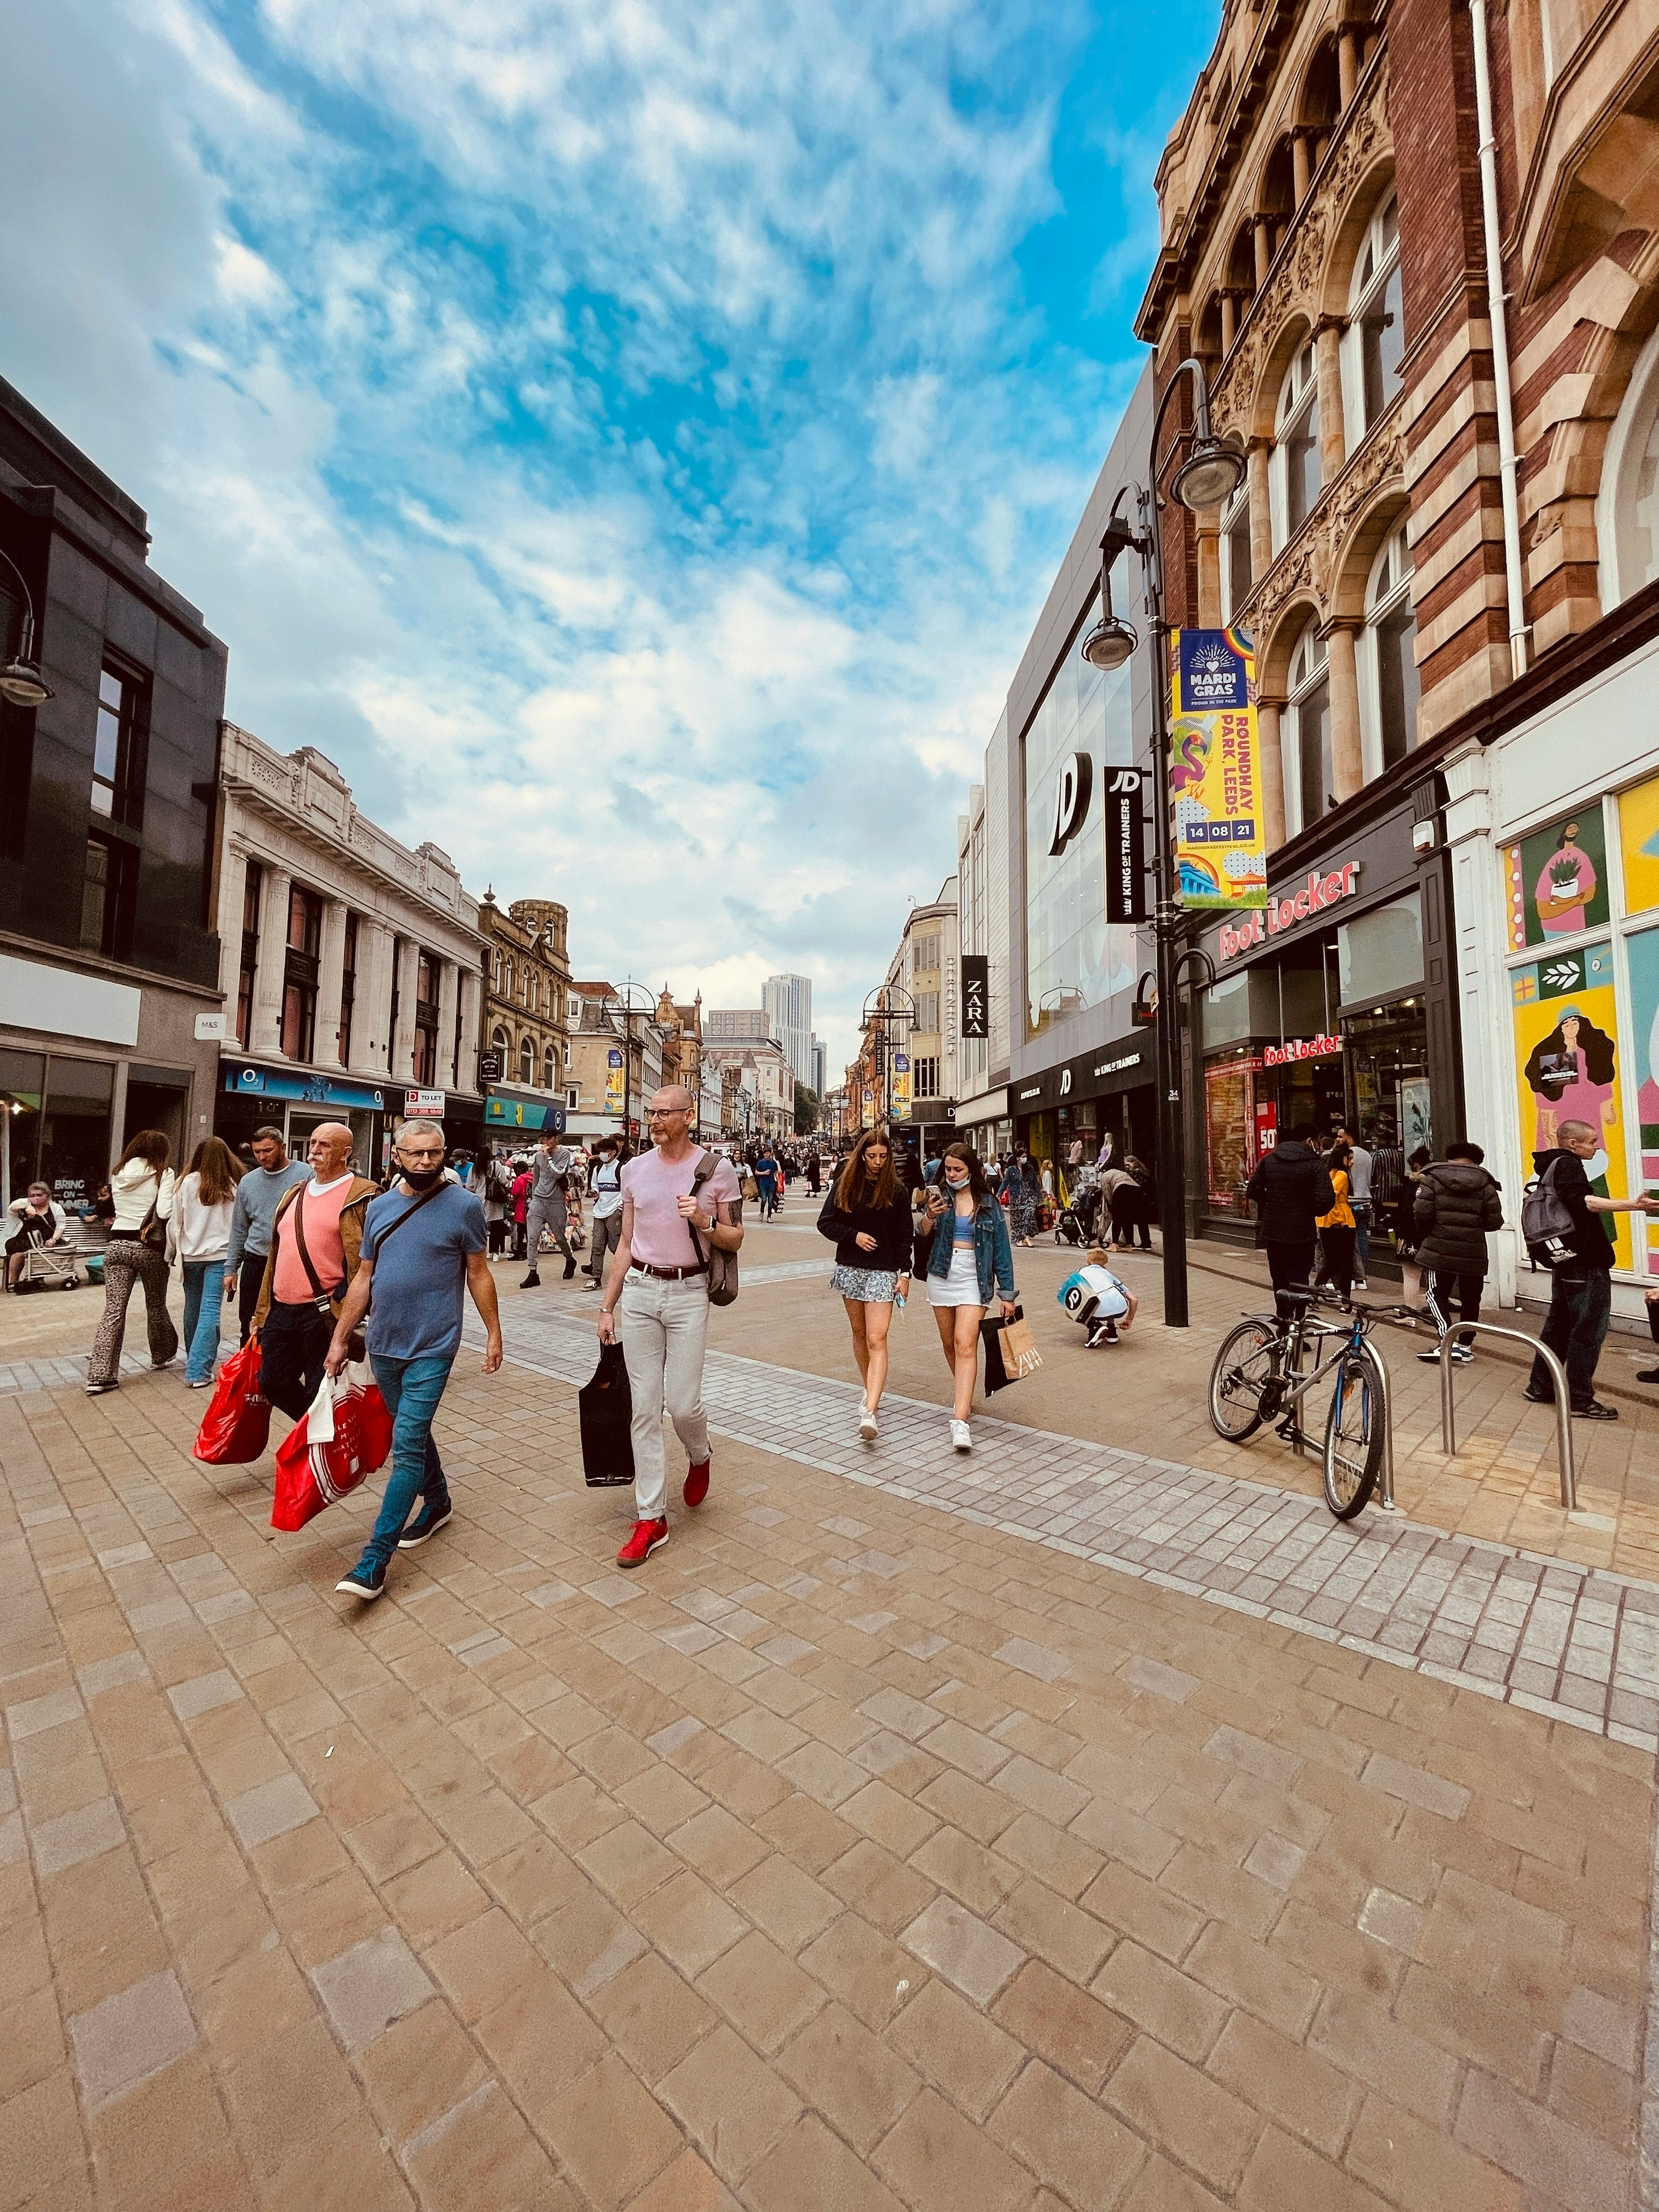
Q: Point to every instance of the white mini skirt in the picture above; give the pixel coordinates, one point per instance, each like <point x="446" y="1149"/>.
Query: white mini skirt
<point x="961" y="1286"/>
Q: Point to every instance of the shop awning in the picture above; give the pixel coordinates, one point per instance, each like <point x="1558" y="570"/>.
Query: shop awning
<point x="992" y="1107"/>
<point x="515" y="1111"/>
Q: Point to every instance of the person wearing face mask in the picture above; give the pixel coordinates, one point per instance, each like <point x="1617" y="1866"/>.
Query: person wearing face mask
<point x="970" y="1258"/>
<point x="316" y="1238"/>
<point x="425" y="1241"/>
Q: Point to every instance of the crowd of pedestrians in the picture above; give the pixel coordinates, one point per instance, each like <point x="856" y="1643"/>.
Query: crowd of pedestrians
<point x="321" y="1263"/>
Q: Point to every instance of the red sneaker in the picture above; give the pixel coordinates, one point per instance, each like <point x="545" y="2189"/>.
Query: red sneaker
<point x="647" y="1537"/>
<point x="696" y="1483"/>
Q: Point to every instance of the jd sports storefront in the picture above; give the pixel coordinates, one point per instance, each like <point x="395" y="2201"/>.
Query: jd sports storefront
<point x="1110" y="1091"/>
<point x="1332" y="1005"/>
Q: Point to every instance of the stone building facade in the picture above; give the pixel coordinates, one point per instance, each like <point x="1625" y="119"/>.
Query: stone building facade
<point x="529" y="1008"/>
<point x="350" y="966"/>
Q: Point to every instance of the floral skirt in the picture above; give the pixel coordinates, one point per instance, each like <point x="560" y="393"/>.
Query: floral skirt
<point x="865" y="1287"/>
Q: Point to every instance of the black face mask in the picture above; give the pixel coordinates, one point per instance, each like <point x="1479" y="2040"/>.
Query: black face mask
<point x="419" y="1179"/>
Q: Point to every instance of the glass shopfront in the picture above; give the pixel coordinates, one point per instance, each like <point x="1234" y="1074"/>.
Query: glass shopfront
<point x="1319" y="1013"/>
<point x="1073" y="958"/>
<point x="58" y="1112"/>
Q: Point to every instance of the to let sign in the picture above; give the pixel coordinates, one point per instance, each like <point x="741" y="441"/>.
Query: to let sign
<point x="424" y="1102"/>
<point x="975" y="995"/>
<point x="1126" y="847"/>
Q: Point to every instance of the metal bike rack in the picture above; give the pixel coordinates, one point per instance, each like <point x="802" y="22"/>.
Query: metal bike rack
<point x="1563" y="1413"/>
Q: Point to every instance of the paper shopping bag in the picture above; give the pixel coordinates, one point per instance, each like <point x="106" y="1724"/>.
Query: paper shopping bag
<point x="1011" y="1351"/>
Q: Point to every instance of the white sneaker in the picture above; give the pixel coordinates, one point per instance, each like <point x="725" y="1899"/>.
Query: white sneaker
<point x="960" y="1437"/>
<point x="866" y="1424"/>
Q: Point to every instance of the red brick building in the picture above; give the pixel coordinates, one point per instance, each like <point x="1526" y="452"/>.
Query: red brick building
<point x="1326" y="215"/>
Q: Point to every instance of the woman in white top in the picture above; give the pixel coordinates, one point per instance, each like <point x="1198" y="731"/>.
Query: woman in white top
<point x="142" y="1187"/>
<point x="199" y="1238"/>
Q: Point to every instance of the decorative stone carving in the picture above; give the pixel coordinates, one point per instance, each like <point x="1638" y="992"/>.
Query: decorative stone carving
<point x="1312" y="561"/>
<point x="1296" y="282"/>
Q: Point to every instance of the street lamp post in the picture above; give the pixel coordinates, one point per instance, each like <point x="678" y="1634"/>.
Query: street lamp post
<point x="21" y="681"/>
<point x="624" y="1004"/>
<point x="1208" y="478"/>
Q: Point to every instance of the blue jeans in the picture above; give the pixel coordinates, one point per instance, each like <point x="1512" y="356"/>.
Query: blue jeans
<point x="411" y="1388"/>
<point x="205" y="1295"/>
<point x="1362" y="1238"/>
<point x="1575" y="1329"/>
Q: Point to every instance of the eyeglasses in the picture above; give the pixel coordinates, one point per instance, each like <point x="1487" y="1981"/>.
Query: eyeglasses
<point x="663" y="1112"/>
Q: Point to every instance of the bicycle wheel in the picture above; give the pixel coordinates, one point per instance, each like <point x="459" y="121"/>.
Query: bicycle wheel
<point x="1354" y="1435"/>
<point x="1245" y="1366"/>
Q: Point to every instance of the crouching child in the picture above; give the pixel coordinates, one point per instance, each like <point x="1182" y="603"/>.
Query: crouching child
<point x="1101" y="1304"/>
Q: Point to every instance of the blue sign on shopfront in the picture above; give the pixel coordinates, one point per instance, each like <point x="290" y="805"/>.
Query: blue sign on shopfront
<point x="310" y="1090"/>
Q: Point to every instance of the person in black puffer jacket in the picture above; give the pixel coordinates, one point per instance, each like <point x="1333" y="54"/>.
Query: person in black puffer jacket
<point x="1457" y="1203"/>
<point x="1290" y="1185"/>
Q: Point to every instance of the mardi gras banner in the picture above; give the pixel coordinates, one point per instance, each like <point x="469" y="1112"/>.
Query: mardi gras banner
<point x="1220" y="845"/>
<point x="899" y="1104"/>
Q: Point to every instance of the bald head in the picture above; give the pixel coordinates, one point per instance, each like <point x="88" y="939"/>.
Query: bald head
<point x="330" y="1151"/>
<point x="671" y="1115"/>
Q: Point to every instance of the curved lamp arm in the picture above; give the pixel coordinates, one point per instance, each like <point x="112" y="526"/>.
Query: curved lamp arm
<point x="21" y="681"/>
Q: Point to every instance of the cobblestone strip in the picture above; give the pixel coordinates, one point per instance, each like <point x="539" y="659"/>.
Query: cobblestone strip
<point x="1567" y="1643"/>
<point x="22" y="1375"/>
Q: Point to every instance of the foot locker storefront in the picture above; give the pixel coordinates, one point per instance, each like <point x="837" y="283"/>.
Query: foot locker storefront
<point x="1331" y="1005"/>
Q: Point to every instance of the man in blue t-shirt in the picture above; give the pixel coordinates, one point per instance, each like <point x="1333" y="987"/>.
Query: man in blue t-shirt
<point x="423" y="1240"/>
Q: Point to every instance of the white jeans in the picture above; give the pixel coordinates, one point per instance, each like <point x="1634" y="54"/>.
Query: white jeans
<point x="665" y="1327"/>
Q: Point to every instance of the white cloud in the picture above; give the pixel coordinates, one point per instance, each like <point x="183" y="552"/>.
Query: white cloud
<point x="610" y="432"/>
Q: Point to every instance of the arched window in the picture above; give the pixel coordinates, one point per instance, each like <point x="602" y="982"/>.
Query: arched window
<point x="1306" y="734"/>
<point x="509" y="979"/>
<point x="1294" y="475"/>
<point x="501" y="1041"/>
<point x="1375" y="338"/>
<point x="535" y="994"/>
<point x="526" y="1062"/>
<point x="1235" y="553"/>
<point x="1627" y="513"/>
<point x="1388" y="657"/>
<point x="549" y="1068"/>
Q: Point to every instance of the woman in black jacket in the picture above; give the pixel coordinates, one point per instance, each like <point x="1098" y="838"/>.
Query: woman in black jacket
<point x="866" y="1217"/>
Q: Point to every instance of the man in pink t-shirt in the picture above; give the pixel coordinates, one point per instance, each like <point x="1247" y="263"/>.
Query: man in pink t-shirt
<point x="663" y="1291"/>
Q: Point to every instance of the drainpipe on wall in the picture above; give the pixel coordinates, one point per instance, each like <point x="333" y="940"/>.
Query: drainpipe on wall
<point x="1509" y="462"/>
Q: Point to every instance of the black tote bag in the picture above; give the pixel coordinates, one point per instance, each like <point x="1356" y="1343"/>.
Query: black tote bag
<point x="606" y="1405"/>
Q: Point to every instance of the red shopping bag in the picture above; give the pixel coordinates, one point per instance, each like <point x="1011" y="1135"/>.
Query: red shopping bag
<point x="345" y="1436"/>
<point x="237" y="1425"/>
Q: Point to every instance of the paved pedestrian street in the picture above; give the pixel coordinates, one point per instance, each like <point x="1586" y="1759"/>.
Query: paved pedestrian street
<point x="1073" y="1825"/>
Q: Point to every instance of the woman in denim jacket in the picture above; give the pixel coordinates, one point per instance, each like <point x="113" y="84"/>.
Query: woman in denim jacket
<point x="970" y="1258"/>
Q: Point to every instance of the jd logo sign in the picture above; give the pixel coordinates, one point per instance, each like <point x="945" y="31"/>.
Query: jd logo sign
<point x="1073" y="788"/>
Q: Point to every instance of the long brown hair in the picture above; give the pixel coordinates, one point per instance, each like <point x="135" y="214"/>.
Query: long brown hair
<point x="218" y="1169"/>
<point x="853" y="1185"/>
<point x="150" y="1147"/>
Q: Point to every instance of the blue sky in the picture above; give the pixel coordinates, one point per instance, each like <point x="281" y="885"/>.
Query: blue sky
<point x="633" y="440"/>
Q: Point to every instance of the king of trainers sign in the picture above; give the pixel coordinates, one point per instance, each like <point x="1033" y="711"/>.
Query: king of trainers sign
<point x="1284" y="911"/>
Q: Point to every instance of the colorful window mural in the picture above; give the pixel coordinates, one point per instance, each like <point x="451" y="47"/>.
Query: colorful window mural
<point x="1582" y="894"/>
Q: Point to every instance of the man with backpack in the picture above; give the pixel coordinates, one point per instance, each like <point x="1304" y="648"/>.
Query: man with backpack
<point x="1458" y="1202"/>
<point x="1290" y="1188"/>
<point x="680" y="1202"/>
<point x="1559" y="1219"/>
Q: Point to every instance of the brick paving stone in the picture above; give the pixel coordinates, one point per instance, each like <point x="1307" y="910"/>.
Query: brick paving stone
<point x="944" y="1862"/>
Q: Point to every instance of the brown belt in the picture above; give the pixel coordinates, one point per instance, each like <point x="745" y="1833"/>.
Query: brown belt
<point x="668" y="1274"/>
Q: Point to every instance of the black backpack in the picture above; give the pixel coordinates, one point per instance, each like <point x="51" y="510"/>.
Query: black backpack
<point x="1547" y="1221"/>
